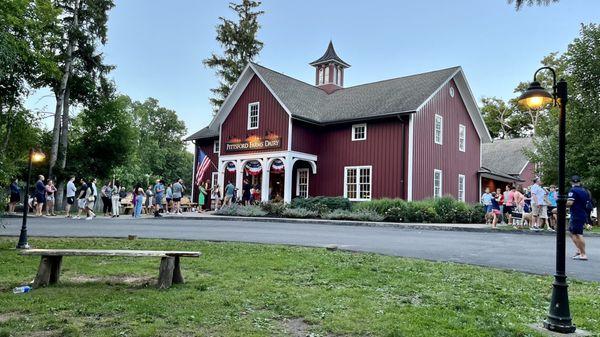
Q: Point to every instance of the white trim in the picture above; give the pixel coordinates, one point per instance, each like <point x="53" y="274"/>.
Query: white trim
<point x="439" y="88"/>
<point x="527" y="163"/>
<point x="435" y="171"/>
<point x="271" y="90"/>
<point x="212" y="183"/>
<point x="194" y="170"/>
<point x="289" y="147"/>
<point x="278" y="154"/>
<point x="409" y="188"/>
<point x="250" y="106"/>
<point x="354" y="127"/>
<point x="216" y="146"/>
<point x="298" y="180"/>
<point x="358" y="168"/>
<point x="235" y="93"/>
<point x="464" y="183"/>
<point x="464" y="130"/>
<point x="435" y="121"/>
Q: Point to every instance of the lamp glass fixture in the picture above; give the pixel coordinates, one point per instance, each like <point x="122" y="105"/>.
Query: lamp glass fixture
<point x="37" y="156"/>
<point x="535" y="97"/>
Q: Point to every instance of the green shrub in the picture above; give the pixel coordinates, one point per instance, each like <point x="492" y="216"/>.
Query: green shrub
<point x="299" y="213"/>
<point x="322" y="204"/>
<point x="239" y="210"/>
<point x="273" y="208"/>
<point x="365" y="215"/>
<point x="446" y="209"/>
<point x="397" y="214"/>
<point x="477" y="213"/>
<point x="421" y="211"/>
<point x="380" y="206"/>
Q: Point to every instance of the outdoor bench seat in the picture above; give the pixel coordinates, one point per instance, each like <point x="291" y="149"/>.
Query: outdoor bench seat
<point x="51" y="261"/>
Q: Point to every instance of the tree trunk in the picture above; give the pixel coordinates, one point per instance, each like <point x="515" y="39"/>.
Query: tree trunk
<point x="9" y="124"/>
<point x="64" y="131"/>
<point x="60" y="95"/>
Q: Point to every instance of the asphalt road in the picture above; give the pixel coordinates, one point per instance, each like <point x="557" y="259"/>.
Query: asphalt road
<point x="522" y="252"/>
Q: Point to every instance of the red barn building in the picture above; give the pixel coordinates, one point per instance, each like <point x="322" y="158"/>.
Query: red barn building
<point x="411" y="137"/>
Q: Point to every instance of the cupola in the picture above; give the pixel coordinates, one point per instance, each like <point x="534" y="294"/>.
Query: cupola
<point x="329" y="70"/>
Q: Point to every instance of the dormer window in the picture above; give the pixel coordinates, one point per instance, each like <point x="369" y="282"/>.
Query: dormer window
<point x="359" y="132"/>
<point x="253" y="113"/>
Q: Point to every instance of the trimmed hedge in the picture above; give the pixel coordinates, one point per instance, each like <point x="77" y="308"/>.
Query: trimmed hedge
<point x="322" y="204"/>
<point x="299" y="213"/>
<point x="240" y="210"/>
<point x="340" y="214"/>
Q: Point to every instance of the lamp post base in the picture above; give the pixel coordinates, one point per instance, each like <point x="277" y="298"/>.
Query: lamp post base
<point x="559" y="327"/>
<point x="23" y="246"/>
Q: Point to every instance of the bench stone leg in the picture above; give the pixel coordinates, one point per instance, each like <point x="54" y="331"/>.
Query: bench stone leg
<point x="177" y="277"/>
<point x="42" y="278"/>
<point x="165" y="272"/>
<point x="55" y="265"/>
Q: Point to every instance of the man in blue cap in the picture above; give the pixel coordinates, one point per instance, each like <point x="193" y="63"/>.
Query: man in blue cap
<point x="577" y="202"/>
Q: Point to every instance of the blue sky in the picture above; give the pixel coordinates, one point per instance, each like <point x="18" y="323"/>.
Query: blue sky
<point x="158" y="46"/>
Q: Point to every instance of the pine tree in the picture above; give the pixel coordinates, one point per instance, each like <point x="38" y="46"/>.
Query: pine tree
<point x="240" y="46"/>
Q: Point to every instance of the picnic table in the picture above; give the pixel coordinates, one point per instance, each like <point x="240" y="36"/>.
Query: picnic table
<point x="169" y="271"/>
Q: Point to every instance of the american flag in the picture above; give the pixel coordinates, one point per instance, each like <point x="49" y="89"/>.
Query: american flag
<point x="203" y="166"/>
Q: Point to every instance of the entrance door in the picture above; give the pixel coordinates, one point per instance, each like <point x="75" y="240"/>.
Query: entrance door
<point x="276" y="186"/>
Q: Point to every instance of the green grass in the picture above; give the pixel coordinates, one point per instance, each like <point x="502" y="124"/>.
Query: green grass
<point x="253" y="290"/>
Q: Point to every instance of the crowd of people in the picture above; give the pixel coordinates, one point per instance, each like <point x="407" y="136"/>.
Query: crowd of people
<point x="160" y="197"/>
<point x="536" y="208"/>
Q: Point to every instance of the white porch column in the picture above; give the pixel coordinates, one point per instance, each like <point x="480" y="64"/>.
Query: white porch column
<point x="221" y="178"/>
<point x="264" y="188"/>
<point x="287" y="182"/>
<point x="238" y="179"/>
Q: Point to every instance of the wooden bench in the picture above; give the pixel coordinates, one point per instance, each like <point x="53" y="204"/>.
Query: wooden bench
<point x="169" y="271"/>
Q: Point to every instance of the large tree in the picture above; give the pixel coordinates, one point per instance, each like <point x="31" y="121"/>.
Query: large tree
<point x="582" y="72"/>
<point x="240" y="46"/>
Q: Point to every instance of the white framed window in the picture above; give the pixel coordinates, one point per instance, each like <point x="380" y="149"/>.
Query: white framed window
<point x="302" y="183"/>
<point x="357" y="183"/>
<point x="461" y="187"/>
<point x="462" y="137"/>
<point x="438" y="129"/>
<point x="253" y="113"/>
<point x="216" y="146"/>
<point x="327" y="74"/>
<point x="320" y="75"/>
<point x="359" y="132"/>
<point x="437" y="183"/>
<point x="451" y="92"/>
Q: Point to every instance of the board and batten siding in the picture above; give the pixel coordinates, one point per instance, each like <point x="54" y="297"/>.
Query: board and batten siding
<point x="306" y="137"/>
<point x="428" y="156"/>
<point x="206" y="145"/>
<point x="384" y="150"/>
<point x="272" y="117"/>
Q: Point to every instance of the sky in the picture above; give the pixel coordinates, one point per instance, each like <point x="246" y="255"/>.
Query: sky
<point x="158" y="46"/>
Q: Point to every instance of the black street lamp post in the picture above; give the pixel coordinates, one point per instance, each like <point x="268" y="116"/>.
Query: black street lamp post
<point x="536" y="97"/>
<point x="33" y="157"/>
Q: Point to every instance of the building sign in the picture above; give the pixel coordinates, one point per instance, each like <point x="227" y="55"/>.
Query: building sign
<point x="253" y="143"/>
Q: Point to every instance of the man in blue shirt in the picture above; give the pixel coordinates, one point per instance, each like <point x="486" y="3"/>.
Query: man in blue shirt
<point x="159" y="190"/>
<point x="577" y="201"/>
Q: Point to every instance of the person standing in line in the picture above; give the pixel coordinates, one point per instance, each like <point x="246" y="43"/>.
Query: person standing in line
<point x="90" y="201"/>
<point x="518" y="204"/>
<point x="169" y="197"/>
<point x="71" y="190"/>
<point x="149" y="198"/>
<point x="201" y="197"/>
<point x="81" y="201"/>
<point x="15" y="196"/>
<point x="105" y="195"/>
<point x="94" y="191"/>
<point x="486" y="201"/>
<point x="500" y="199"/>
<point x="539" y="207"/>
<point x="177" y="195"/>
<point x="40" y="195"/>
<point x="229" y="191"/>
<point x="139" y="201"/>
<point x="207" y="196"/>
<point x="115" y="199"/>
<point x="579" y="202"/>
<point x="216" y="195"/>
<point x="509" y="196"/>
<point x="50" y="197"/>
<point x="495" y="204"/>
<point x="159" y="191"/>
<point x="246" y="192"/>
<point x="552" y="203"/>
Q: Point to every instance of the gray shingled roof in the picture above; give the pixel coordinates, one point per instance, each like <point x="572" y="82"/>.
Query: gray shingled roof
<point x="397" y="95"/>
<point x="330" y="55"/>
<point x="505" y="156"/>
<point x="203" y="134"/>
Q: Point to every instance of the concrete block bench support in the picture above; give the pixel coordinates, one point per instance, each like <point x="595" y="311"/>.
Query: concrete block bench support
<point x="169" y="271"/>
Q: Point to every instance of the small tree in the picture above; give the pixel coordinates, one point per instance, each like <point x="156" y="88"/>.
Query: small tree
<point x="240" y="46"/>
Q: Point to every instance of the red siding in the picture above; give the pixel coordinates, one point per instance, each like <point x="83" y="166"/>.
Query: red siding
<point x="528" y="174"/>
<point x="427" y="155"/>
<point x="383" y="150"/>
<point x="207" y="146"/>
<point x="305" y="137"/>
<point x="272" y="117"/>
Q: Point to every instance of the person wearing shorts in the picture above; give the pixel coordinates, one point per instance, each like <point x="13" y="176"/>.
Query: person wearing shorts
<point x="539" y="206"/>
<point x="169" y="198"/>
<point x="577" y="201"/>
<point x="40" y="195"/>
<point x="177" y="194"/>
<point x="81" y="202"/>
<point x="71" y="191"/>
<point x="229" y="191"/>
<point x="159" y="190"/>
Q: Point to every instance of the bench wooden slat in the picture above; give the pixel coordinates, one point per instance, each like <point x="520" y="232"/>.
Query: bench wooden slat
<point x="98" y="252"/>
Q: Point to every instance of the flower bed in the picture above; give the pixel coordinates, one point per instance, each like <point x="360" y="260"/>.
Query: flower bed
<point x="439" y="210"/>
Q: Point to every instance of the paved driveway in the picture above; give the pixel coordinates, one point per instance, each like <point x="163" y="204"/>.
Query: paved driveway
<point x="528" y="253"/>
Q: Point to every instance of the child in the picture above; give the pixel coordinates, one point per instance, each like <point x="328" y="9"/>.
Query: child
<point x="495" y="206"/>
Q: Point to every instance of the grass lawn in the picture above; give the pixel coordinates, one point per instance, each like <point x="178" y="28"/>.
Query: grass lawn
<point x="260" y="290"/>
